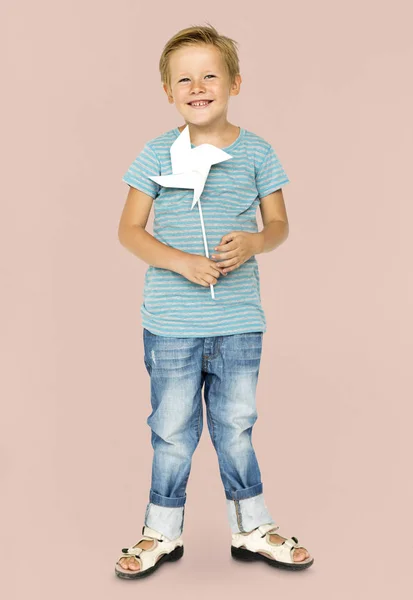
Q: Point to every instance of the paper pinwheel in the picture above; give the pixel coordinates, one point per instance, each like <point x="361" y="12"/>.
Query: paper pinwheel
<point x="190" y="168"/>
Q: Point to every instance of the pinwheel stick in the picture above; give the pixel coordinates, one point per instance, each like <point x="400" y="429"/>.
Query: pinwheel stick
<point x="205" y="243"/>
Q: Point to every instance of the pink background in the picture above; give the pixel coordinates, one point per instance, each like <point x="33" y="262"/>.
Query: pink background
<point x="329" y="85"/>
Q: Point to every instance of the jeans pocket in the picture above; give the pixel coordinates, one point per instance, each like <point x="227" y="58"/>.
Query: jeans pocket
<point x="250" y="339"/>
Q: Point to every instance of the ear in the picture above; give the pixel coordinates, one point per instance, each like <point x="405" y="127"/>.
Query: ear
<point x="168" y="93"/>
<point x="235" y="87"/>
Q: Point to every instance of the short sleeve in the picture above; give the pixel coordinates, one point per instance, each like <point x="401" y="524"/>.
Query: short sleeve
<point x="270" y="175"/>
<point x="145" y="164"/>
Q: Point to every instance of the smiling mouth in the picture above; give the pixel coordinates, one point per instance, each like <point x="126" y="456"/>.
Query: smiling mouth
<point x="201" y="105"/>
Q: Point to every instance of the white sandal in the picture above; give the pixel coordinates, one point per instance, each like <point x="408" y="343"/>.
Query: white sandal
<point x="248" y="548"/>
<point x="162" y="550"/>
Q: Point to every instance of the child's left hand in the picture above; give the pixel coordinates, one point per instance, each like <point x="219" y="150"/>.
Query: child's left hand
<point x="235" y="248"/>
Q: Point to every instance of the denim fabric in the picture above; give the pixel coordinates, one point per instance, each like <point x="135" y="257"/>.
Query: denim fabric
<point x="227" y="366"/>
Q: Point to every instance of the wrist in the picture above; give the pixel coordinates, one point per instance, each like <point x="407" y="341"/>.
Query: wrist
<point x="259" y="242"/>
<point x="180" y="262"/>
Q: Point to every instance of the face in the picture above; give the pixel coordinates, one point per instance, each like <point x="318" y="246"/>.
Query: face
<point x="198" y="72"/>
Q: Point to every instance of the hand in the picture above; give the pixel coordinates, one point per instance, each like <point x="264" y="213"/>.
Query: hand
<point x="199" y="269"/>
<point x="235" y="249"/>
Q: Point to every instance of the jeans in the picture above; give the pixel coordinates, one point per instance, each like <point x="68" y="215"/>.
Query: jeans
<point x="179" y="367"/>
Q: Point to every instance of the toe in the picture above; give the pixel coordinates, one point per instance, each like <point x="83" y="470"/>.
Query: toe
<point x="133" y="564"/>
<point x="123" y="563"/>
<point x="300" y="554"/>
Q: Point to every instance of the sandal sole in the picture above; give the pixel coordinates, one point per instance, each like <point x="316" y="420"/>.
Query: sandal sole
<point x="249" y="556"/>
<point x="171" y="557"/>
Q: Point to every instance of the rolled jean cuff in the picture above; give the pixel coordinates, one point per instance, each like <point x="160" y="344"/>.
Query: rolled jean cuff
<point x="248" y="514"/>
<point x="165" y="520"/>
<point x="245" y="493"/>
<point x="155" y="498"/>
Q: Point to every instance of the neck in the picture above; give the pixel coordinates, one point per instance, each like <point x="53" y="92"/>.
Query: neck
<point x="217" y="134"/>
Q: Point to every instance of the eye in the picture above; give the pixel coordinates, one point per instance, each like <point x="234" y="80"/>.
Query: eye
<point x="185" y="78"/>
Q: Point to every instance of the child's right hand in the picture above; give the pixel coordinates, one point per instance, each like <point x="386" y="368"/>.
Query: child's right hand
<point x="200" y="269"/>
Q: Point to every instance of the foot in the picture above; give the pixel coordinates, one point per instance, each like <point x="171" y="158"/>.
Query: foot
<point x="299" y="554"/>
<point x="131" y="563"/>
<point x="150" y="552"/>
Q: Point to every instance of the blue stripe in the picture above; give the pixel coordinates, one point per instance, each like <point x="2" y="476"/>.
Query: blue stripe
<point x="172" y="305"/>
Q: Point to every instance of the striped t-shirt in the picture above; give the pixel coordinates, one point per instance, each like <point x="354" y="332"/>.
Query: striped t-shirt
<point x="173" y="305"/>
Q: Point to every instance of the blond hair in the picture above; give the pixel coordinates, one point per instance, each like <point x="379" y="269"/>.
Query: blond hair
<point x="198" y="34"/>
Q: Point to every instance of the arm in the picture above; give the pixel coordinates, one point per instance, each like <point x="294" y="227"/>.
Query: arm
<point x="133" y="236"/>
<point x="275" y="221"/>
<point x="237" y="247"/>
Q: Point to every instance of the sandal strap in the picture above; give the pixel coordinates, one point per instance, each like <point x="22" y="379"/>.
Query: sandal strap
<point x="263" y="529"/>
<point x="149" y="557"/>
<point x="149" y="535"/>
<point x="153" y="534"/>
<point x="132" y="551"/>
<point x="258" y="540"/>
<point x="291" y="543"/>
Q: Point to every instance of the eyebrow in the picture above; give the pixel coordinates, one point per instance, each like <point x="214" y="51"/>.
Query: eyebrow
<point x="205" y="71"/>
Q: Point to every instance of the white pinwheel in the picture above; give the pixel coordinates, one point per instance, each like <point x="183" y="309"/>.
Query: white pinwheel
<point x="190" y="169"/>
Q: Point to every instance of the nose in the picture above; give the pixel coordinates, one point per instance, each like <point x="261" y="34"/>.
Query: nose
<point x="197" y="87"/>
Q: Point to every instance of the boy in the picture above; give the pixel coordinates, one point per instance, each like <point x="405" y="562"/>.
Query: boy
<point x="189" y="338"/>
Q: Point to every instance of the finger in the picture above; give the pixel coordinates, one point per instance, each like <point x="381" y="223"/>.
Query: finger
<point x="215" y="271"/>
<point x="213" y="264"/>
<point x="229" y="263"/>
<point x="210" y="279"/>
<point x="202" y="282"/>
<point x="227" y="247"/>
<point x="227" y="254"/>
<point x="228" y="237"/>
<point x="218" y="266"/>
